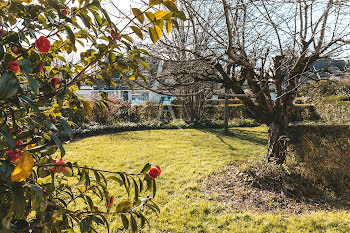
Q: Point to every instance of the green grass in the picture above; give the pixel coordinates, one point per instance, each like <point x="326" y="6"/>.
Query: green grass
<point x="186" y="157"/>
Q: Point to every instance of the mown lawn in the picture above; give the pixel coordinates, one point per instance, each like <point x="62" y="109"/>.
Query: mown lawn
<point x="186" y="157"/>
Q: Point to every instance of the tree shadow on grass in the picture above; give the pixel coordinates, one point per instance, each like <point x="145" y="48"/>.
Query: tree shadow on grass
<point x="251" y="136"/>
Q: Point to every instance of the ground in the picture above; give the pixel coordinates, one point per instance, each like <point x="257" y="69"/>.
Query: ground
<point x="192" y="161"/>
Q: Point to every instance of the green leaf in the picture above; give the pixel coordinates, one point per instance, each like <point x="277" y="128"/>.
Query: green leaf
<point x="8" y="139"/>
<point x="170" y="5"/>
<point x="85" y="18"/>
<point x="136" y="188"/>
<point x="30" y="102"/>
<point x="154" y="187"/>
<point x="61" y="58"/>
<point x="123" y="206"/>
<point x="105" y="221"/>
<point x="141" y="185"/>
<point x="97" y="16"/>
<point x="70" y="33"/>
<point x="153" y="34"/>
<point x="5" y="170"/>
<point x="150" y="16"/>
<point x="124" y="181"/>
<point x="27" y="68"/>
<point x="36" y="196"/>
<point x="181" y="15"/>
<point x="160" y="23"/>
<point x="154" y="2"/>
<point x="155" y="206"/>
<point x="66" y="127"/>
<point x="2" y="52"/>
<point x="96" y="219"/>
<point x="137" y="31"/>
<point x="152" y="208"/>
<point x="90" y="203"/>
<point x="133" y="224"/>
<point x="105" y="13"/>
<point x="174" y="21"/>
<point x="9" y="85"/>
<point x="50" y="126"/>
<point x="138" y="14"/>
<point x="97" y="176"/>
<point x="143" y="220"/>
<point x="84" y="226"/>
<point x="58" y="143"/>
<point x="68" y="172"/>
<point x="125" y="221"/>
<point x="32" y="83"/>
<point x="146" y="168"/>
<point x="116" y="179"/>
<point x="18" y="202"/>
<point x="42" y="173"/>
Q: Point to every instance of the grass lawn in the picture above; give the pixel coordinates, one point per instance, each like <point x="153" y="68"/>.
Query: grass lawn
<point x="186" y="157"/>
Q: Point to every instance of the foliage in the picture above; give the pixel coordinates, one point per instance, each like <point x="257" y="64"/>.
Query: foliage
<point x="323" y="152"/>
<point x="330" y="89"/>
<point x="36" y="84"/>
<point x="123" y="113"/>
<point x="330" y="98"/>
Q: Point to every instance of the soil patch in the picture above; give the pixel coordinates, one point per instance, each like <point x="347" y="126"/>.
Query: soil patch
<point x="271" y="190"/>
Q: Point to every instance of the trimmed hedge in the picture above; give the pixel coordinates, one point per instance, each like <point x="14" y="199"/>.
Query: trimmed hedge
<point x="324" y="153"/>
<point x="100" y="129"/>
<point x="119" y="113"/>
<point x="302" y="112"/>
<point x="337" y="112"/>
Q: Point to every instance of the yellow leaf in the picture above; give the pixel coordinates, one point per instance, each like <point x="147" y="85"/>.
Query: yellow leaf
<point x="160" y="14"/>
<point x="168" y="26"/>
<point x="24" y="167"/>
<point x="153" y="35"/>
<point x="158" y="31"/>
<point x="74" y="88"/>
<point x="87" y="107"/>
<point x="123" y="206"/>
<point x="114" y="83"/>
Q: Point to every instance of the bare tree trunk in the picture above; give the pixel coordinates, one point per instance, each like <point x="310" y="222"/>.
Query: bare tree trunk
<point x="277" y="145"/>
<point x="226" y="114"/>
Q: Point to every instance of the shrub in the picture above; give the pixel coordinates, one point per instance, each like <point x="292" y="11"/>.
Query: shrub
<point x="38" y="188"/>
<point x="323" y="152"/>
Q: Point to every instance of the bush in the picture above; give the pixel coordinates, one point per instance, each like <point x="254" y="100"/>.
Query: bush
<point x="323" y="152"/>
<point x="302" y="112"/>
<point x="330" y="99"/>
<point x="117" y="113"/>
<point x="38" y="188"/>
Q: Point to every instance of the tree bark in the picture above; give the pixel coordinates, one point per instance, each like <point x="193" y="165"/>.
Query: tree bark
<point x="277" y="145"/>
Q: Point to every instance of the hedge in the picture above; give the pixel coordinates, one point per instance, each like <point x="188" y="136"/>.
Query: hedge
<point x="323" y="152"/>
<point x="300" y="112"/>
